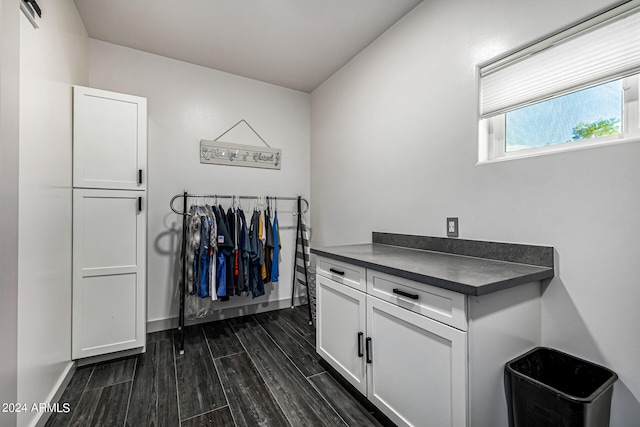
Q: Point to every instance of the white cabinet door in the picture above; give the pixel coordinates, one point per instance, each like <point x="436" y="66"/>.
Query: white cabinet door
<point x="342" y="329"/>
<point x="418" y="370"/>
<point x="109" y="282"/>
<point x="109" y="140"/>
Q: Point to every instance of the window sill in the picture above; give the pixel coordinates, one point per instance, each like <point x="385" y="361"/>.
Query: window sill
<point x="559" y="149"/>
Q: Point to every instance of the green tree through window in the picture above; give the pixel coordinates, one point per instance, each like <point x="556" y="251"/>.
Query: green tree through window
<point x="595" y="129"/>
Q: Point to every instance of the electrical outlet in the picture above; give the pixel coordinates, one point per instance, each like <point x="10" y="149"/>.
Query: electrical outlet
<point x="452" y="227"/>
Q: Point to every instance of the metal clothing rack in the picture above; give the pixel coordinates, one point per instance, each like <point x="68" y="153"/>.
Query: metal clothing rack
<point x="186" y="214"/>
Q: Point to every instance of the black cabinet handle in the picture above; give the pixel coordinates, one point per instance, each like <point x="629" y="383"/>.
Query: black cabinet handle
<point x="405" y="294"/>
<point x="139" y="204"/>
<point x="333" y="270"/>
<point x="360" y="335"/>
<point x="139" y="176"/>
<point x="368" y="349"/>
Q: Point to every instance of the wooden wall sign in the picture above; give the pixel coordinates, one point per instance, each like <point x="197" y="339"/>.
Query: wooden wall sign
<point x="226" y="153"/>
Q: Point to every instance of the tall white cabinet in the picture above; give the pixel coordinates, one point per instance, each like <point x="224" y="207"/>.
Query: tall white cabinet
<point x="109" y="222"/>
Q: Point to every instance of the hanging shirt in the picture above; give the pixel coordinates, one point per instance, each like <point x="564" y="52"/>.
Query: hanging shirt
<point x="232" y="278"/>
<point x="193" y="249"/>
<point x="213" y="244"/>
<point x="225" y="247"/>
<point x="263" y="240"/>
<point x="255" y="254"/>
<point x="224" y="242"/>
<point x="244" y="249"/>
<point x="268" y="248"/>
<point x="240" y="243"/>
<point x="221" y="276"/>
<point x="263" y="232"/>
<point x="275" y="268"/>
<point x="187" y="256"/>
<point x="203" y="274"/>
<point x="213" y="290"/>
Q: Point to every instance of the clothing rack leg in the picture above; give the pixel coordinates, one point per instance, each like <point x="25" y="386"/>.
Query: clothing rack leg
<point x="295" y="257"/>
<point x="184" y="271"/>
<point x="304" y="260"/>
<point x="300" y="235"/>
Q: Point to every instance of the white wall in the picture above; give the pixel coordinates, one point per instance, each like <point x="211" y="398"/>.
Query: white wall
<point x="9" y="148"/>
<point x="394" y="147"/>
<point x="187" y="103"/>
<point x="52" y="58"/>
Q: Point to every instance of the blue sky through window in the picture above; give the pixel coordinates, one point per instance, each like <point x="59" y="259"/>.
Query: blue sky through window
<point x="551" y="122"/>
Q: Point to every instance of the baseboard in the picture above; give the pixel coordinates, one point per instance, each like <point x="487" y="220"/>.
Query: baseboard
<point x="225" y="313"/>
<point x="56" y="394"/>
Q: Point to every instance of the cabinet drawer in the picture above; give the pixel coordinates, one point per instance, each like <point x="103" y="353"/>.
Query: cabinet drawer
<point x="342" y="272"/>
<point x="439" y="304"/>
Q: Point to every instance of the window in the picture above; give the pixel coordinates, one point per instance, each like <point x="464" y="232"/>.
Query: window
<point x="575" y="89"/>
<point x="589" y="113"/>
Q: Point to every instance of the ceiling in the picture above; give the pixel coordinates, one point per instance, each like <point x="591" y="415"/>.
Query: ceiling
<point x="291" y="43"/>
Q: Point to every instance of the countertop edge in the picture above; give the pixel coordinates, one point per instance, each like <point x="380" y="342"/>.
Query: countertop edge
<point x="545" y="273"/>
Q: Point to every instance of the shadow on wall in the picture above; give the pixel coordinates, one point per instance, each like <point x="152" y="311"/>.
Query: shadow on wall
<point x="171" y="249"/>
<point x="625" y="407"/>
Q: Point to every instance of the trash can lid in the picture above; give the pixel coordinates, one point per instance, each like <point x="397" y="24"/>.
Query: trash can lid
<point x="574" y="378"/>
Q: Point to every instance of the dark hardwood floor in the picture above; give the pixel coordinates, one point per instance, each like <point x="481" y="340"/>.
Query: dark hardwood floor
<point x="259" y="370"/>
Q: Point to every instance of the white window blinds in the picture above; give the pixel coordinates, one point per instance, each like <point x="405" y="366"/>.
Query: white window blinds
<point x="604" y="48"/>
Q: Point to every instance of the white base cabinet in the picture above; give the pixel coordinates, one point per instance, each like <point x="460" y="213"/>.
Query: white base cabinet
<point x="417" y="367"/>
<point x="423" y="355"/>
<point x="340" y="337"/>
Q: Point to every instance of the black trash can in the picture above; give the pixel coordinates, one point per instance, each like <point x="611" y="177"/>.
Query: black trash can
<point x="546" y="387"/>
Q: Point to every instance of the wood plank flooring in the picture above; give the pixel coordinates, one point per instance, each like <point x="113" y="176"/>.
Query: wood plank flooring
<point x="259" y="370"/>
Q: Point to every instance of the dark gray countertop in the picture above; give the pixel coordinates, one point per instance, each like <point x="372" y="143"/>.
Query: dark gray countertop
<point x="464" y="274"/>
